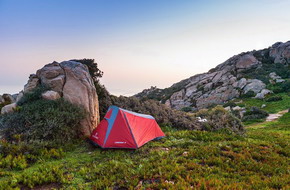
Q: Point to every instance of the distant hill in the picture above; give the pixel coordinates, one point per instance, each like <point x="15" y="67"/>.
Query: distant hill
<point x="246" y="74"/>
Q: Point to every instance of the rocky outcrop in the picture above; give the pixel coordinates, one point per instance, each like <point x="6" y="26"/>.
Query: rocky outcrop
<point x="72" y="81"/>
<point x="231" y="79"/>
<point x="31" y="84"/>
<point x="280" y="52"/>
<point x="8" y="98"/>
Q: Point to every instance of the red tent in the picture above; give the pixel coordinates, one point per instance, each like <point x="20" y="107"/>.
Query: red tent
<point x="125" y="129"/>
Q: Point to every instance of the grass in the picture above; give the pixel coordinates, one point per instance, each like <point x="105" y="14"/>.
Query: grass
<point x="183" y="160"/>
<point x="271" y="107"/>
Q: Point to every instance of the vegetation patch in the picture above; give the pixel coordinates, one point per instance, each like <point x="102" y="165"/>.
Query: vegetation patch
<point x="220" y="119"/>
<point x="185" y="159"/>
<point x="254" y="113"/>
<point x="270" y="107"/>
<point x="274" y="99"/>
<point x="37" y="119"/>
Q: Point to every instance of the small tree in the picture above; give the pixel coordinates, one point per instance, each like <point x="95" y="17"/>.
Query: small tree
<point x="95" y="72"/>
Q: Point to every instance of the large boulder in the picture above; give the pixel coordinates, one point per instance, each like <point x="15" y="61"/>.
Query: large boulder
<point x="79" y="89"/>
<point x="72" y="81"/>
<point x="254" y="85"/>
<point x="246" y="61"/>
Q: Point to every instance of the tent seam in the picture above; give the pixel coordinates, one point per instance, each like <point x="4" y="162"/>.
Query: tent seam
<point x="130" y="129"/>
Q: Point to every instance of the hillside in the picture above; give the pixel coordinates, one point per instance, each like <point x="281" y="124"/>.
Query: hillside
<point x="252" y="73"/>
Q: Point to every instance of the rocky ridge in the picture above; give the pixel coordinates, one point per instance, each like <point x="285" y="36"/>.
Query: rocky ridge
<point x="236" y="76"/>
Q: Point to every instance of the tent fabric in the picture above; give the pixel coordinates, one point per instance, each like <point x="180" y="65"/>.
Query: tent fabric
<point x="121" y="128"/>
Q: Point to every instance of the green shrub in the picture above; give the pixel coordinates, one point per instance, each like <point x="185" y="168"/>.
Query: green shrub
<point x="286" y="86"/>
<point x="231" y="104"/>
<point x="236" y="113"/>
<point x="274" y="99"/>
<point x="43" y="120"/>
<point x="9" y="162"/>
<point x="186" y="109"/>
<point x="220" y="119"/>
<point x="277" y="89"/>
<point x="248" y="94"/>
<point x="280" y="87"/>
<point x="254" y="113"/>
<point x="17" y="154"/>
<point x="47" y="174"/>
<point x="34" y="95"/>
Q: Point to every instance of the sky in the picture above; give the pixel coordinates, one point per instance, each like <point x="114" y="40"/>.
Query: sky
<point x="137" y="43"/>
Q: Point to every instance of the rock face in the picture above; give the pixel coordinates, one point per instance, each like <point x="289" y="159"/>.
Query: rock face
<point x="72" y="81"/>
<point x="226" y="81"/>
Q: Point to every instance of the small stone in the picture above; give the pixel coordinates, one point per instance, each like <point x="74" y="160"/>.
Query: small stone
<point x="237" y="108"/>
<point x="228" y="108"/>
<point x="185" y="154"/>
<point x="50" y="95"/>
<point x="280" y="80"/>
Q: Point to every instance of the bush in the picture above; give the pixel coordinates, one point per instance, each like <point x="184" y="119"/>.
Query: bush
<point x="277" y="89"/>
<point x="280" y="87"/>
<point x="254" y="113"/>
<point x="43" y="120"/>
<point x="220" y="119"/>
<point x="34" y="95"/>
<point x="286" y="86"/>
<point x="231" y="104"/>
<point x="186" y="109"/>
<point x="274" y="99"/>
<point x="248" y="94"/>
